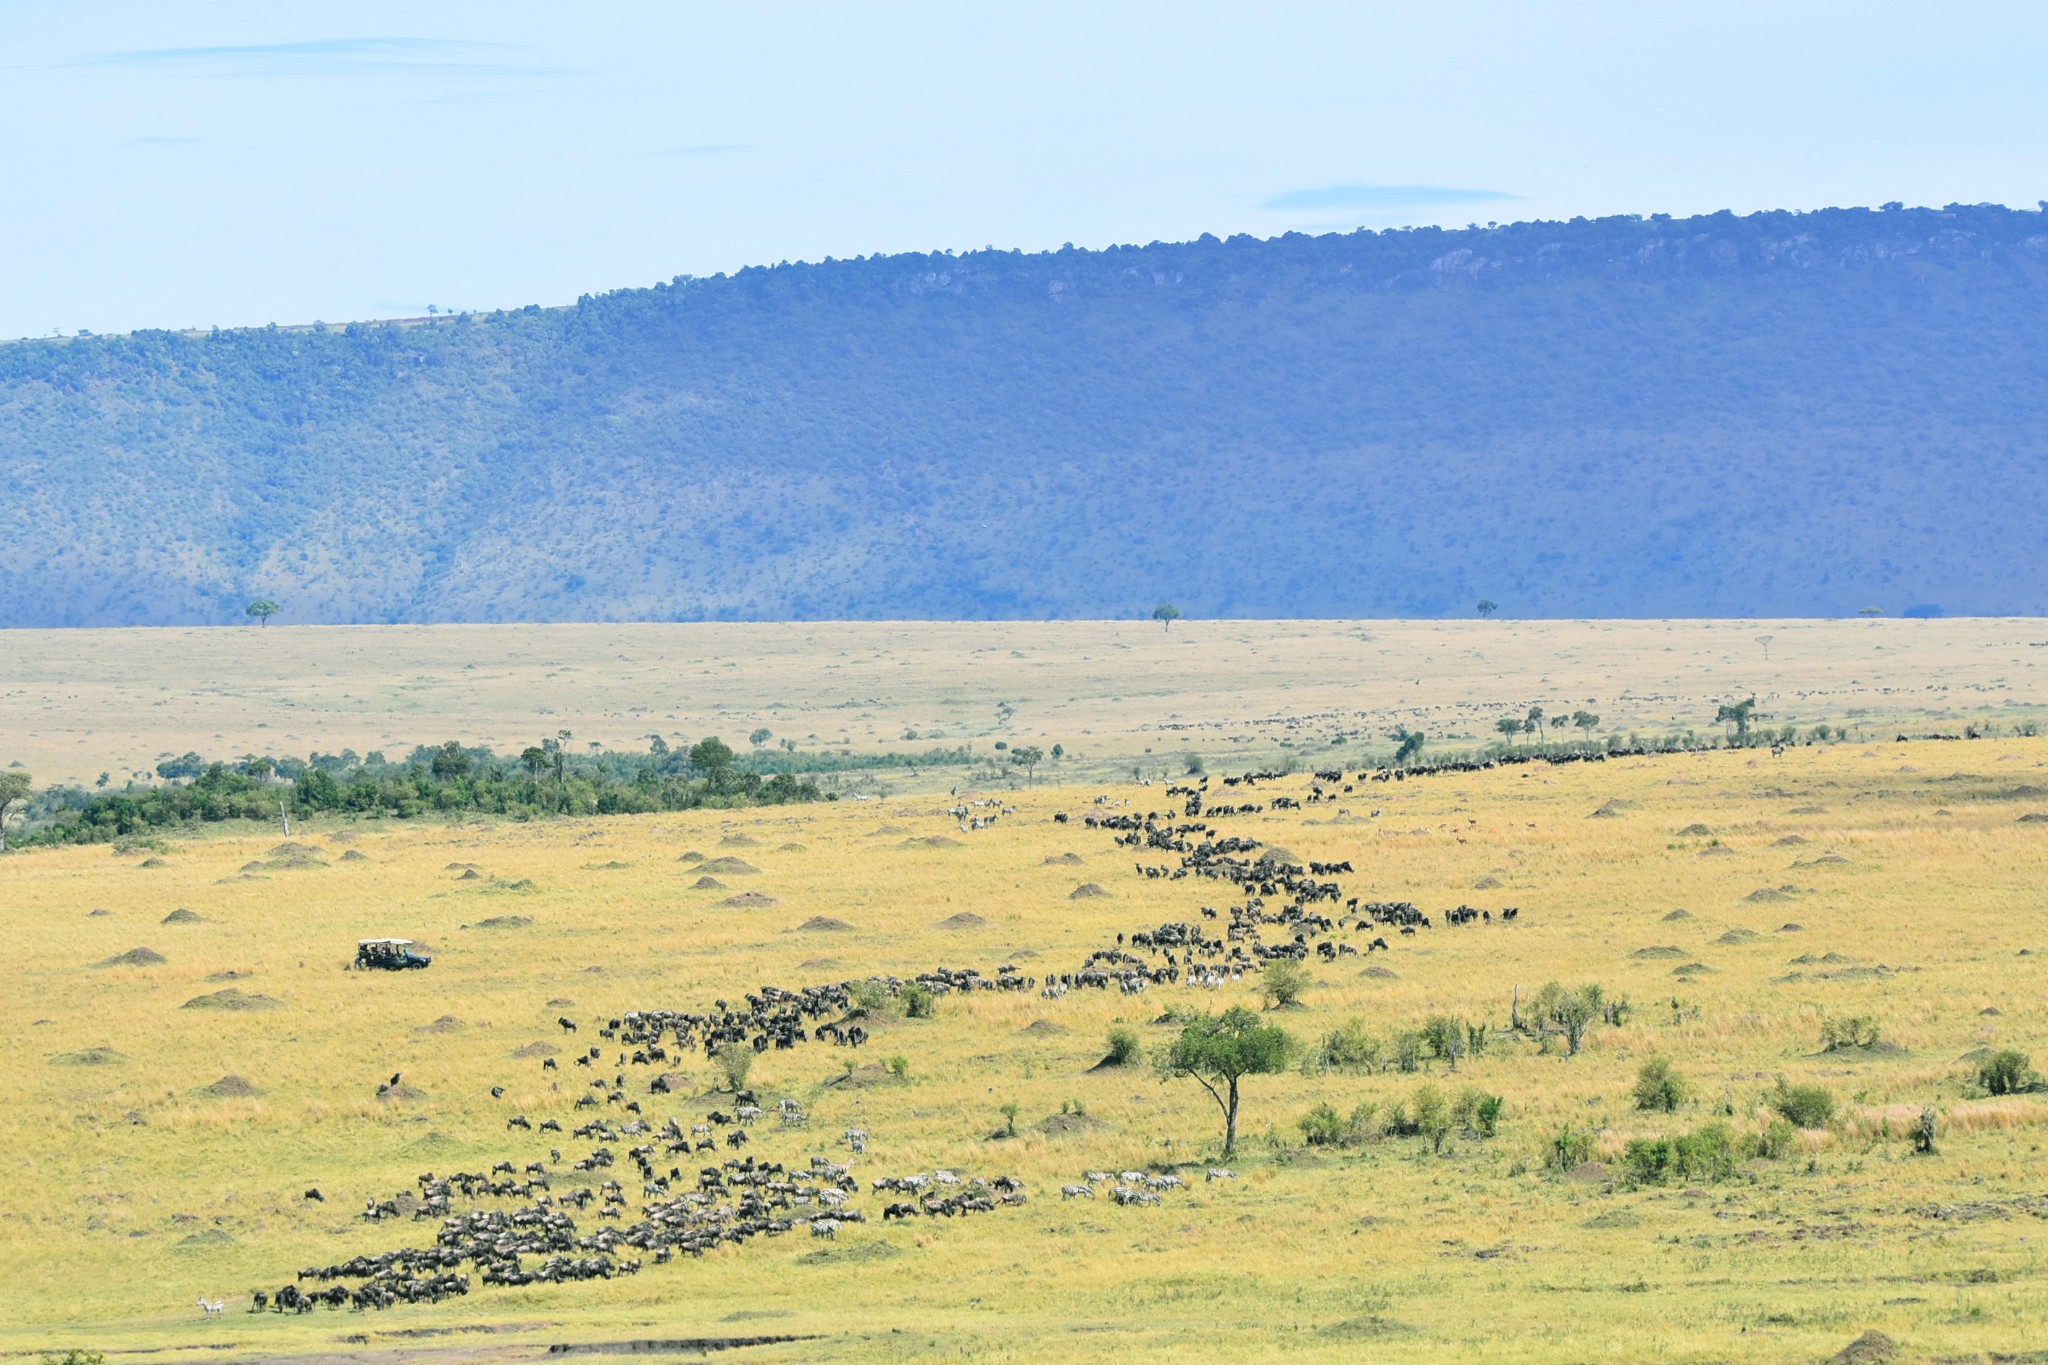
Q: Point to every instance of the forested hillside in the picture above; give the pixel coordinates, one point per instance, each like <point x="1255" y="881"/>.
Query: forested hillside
<point x="1783" y="414"/>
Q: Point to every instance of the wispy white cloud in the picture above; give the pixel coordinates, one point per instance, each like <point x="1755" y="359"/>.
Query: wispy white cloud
<point x="1382" y="197"/>
<point x="333" y="57"/>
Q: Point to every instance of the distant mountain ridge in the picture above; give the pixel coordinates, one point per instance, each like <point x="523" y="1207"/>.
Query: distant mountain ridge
<point x="1778" y="414"/>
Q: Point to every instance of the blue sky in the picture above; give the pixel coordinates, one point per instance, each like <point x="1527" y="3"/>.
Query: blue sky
<point x="238" y="163"/>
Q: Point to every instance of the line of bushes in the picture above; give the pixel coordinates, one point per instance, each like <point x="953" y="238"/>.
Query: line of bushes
<point x="1427" y="1114"/>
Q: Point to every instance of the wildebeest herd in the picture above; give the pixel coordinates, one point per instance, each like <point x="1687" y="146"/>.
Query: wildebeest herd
<point x="537" y="1239"/>
<point x="530" y="1234"/>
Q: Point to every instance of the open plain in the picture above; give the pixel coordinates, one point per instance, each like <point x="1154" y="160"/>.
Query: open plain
<point x="76" y="703"/>
<point x="162" y="1120"/>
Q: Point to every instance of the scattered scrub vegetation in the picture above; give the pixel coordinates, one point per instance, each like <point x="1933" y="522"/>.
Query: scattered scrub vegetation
<point x="1659" y="1086"/>
<point x="1805" y="1106"/>
<point x="1283" y="982"/>
<point x="2006" y="1072"/>
<point x="1838" y="1035"/>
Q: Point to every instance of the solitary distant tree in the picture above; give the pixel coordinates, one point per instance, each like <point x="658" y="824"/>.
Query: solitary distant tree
<point x="1218" y="1051"/>
<point x="1508" y="726"/>
<point x="1738" y="714"/>
<point x="1166" y="614"/>
<point x="1586" y="721"/>
<point x="1487" y="606"/>
<point x="1765" y="641"/>
<point x="1870" y="611"/>
<point x="262" y="609"/>
<point x="15" y="786"/>
<point x="1572" y="1011"/>
<point x="1408" y="743"/>
<point x="760" y="737"/>
<point x="1028" y="757"/>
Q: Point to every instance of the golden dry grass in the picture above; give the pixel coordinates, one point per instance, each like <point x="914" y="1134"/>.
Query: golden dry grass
<point x="129" y="1192"/>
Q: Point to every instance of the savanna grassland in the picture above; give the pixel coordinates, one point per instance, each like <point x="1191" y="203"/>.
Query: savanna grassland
<point x="1113" y="694"/>
<point x="157" y="1151"/>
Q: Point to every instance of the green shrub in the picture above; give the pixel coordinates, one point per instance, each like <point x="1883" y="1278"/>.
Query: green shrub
<point x="1775" y="1140"/>
<point x="2006" y="1072"/>
<point x="1659" y="1086"/>
<point x="1408" y="1049"/>
<point x="899" y="1067"/>
<point x="1923" y="1131"/>
<point x="1569" y="1149"/>
<point x="1475" y="1040"/>
<point x="734" y="1061"/>
<point x="1322" y="1126"/>
<point x="919" y="1003"/>
<point x="1359" y="1125"/>
<point x="1348" y="1047"/>
<point x="1123" y="1047"/>
<point x="1476" y="1112"/>
<point x="871" y="996"/>
<point x="1282" y="982"/>
<point x="1444" y="1035"/>
<point x="1430" y="1115"/>
<point x="1573" y="1012"/>
<point x="1837" y="1035"/>
<point x="1807" y="1106"/>
<point x="1704" y="1156"/>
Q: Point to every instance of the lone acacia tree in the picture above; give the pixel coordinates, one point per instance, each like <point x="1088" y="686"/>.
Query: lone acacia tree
<point x="1487" y="606"/>
<point x="1737" y="714"/>
<point x="1028" y="757"/>
<point x="1166" y="614"/>
<point x="15" y="786"/>
<point x="1217" y="1051"/>
<point x="711" y="756"/>
<point x="1408" y="743"/>
<point x="262" y="609"/>
<point x="1573" y="1012"/>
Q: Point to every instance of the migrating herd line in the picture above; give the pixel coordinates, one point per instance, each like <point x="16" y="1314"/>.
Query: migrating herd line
<point x="517" y="1229"/>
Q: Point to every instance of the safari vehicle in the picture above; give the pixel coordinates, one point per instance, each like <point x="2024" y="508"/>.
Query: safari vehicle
<point x="388" y="955"/>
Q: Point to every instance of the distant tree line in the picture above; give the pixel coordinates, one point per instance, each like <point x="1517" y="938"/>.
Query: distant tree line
<point x="544" y="779"/>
